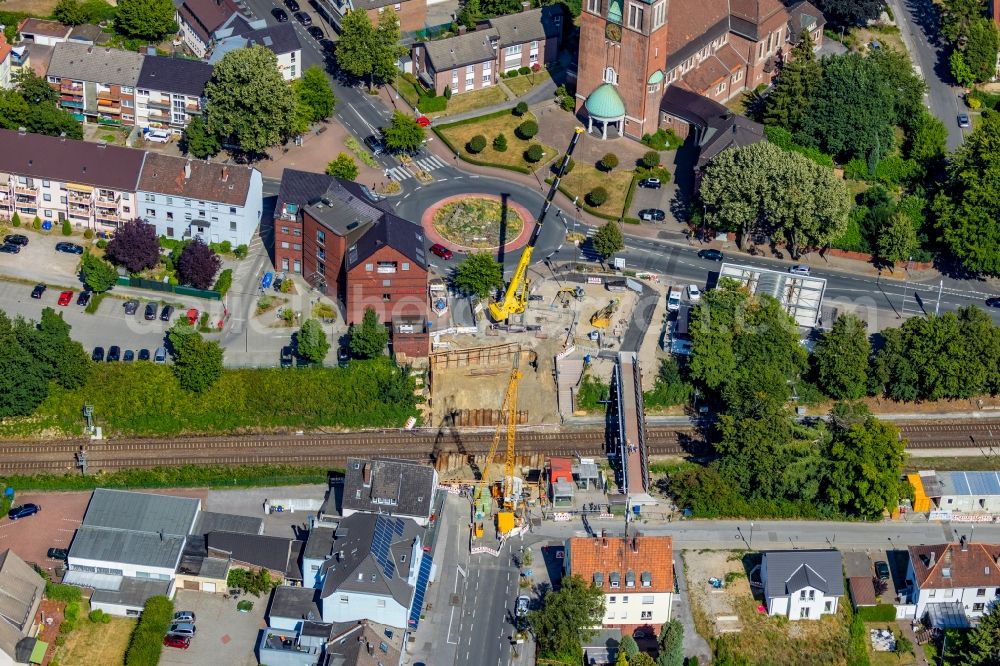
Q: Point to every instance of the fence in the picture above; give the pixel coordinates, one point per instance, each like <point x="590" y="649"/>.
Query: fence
<point x="156" y="285"/>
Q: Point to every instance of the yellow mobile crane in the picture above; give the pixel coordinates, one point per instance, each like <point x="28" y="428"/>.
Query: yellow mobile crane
<point x="515" y="299"/>
<point x="483" y="502"/>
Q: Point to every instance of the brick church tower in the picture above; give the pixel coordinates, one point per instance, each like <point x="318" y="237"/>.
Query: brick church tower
<point x="620" y="77"/>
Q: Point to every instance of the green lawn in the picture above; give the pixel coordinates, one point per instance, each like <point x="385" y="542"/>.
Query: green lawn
<point x="145" y="399"/>
<point x="407" y="90"/>
<point x="93" y="644"/>
<point x="519" y="85"/>
<point x="470" y="101"/>
<point x="886" y="658"/>
<point x="583" y="178"/>
<point x="490" y="126"/>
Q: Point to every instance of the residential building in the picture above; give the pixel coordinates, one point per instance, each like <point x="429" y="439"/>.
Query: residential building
<point x="379" y="572"/>
<point x="199" y="19"/>
<point x="129" y="546"/>
<point x="949" y="493"/>
<point x="281" y="39"/>
<point x="390" y="486"/>
<point x="278" y="555"/>
<point x="199" y="570"/>
<point x="412" y="13"/>
<point x="40" y="31"/>
<point x="346" y="242"/>
<point x="21" y="590"/>
<point x="960" y="580"/>
<point x="474" y="60"/>
<point x="635" y="573"/>
<point x="170" y="92"/>
<point x="715" y="48"/>
<point x="92" y="185"/>
<point x="6" y="60"/>
<point x="186" y="198"/>
<point x="95" y="83"/>
<point x="802" y="584"/>
<point x="318" y="549"/>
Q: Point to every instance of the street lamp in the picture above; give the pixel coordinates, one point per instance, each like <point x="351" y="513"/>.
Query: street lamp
<point x="750" y="546"/>
<point x="906" y="285"/>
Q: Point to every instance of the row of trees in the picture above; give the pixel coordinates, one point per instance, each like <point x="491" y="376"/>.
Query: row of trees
<point x="973" y="38"/>
<point x="370" y="51"/>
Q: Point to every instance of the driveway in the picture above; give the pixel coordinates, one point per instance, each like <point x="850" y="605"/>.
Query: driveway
<point x="918" y="24"/>
<point x="694" y="644"/>
<point x="225" y="635"/>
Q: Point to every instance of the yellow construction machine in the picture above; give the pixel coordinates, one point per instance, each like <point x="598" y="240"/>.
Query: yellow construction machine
<point x="602" y="318"/>
<point x="507" y="493"/>
<point x="515" y="298"/>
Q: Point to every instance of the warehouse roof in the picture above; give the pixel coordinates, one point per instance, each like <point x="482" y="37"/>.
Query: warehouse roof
<point x="979" y="484"/>
<point x="210" y="521"/>
<point x="141" y="512"/>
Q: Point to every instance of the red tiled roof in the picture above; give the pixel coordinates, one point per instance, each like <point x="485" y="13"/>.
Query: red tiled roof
<point x="707" y="75"/>
<point x="5" y="48"/>
<point x="731" y="58"/>
<point x="755" y="10"/>
<point x="977" y="565"/>
<point x="205" y="16"/>
<point x="34" y="26"/>
<point x="639" y="555"/>
<point x="862" y="591"/>
<point x="686" y="23"/>
<point x="561" y="469"/>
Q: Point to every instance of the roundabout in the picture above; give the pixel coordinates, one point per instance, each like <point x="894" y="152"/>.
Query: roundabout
<point x="477" y="221"/>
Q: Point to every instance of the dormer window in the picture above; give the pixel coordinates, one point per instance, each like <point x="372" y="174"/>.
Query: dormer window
<point x="615" y="578"/>
<point x="646" y="578"/>
<point x="598" y="579"/>
<point x="629" y="579"/>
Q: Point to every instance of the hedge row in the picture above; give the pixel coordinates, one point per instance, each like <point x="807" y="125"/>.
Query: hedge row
<point x="465" y="156"/>
<point x="224" y="282"/>
<point x="146" y="643"/>
<point x="880" y="613"/>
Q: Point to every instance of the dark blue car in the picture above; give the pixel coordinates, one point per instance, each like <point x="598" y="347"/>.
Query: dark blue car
<point x="23" y="511"/>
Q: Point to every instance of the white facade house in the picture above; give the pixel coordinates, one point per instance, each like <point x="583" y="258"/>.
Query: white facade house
<point x="635" y="573"/>
<point x="6" y="57"/>
<point x="953" y="580"/>
<point x="280" y="39"/>
<point x="170" y="92"/>
<point x="186" y="198"/>
<point x="802" y="584"/>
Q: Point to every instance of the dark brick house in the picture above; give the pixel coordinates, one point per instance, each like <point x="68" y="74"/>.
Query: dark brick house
<point x="338" y="236"/>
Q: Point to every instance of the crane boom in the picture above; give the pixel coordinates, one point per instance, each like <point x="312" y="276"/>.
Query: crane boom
<point x="515" y="298"/>
<point x="508" y="413"/>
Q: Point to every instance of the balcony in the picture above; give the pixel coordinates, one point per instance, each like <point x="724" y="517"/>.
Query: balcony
<point x="103" y="108"/>
<point x="78" y="209"/>
<point x="108" y="95"/>
<point x="24" y="190"/>
<point x="80" y="215"/>
<point x="158" y="104"/>
<point x="105" y="217"/>
<point x="78" y="197"/>
<point x="71" y="88"/>
<point x="107" y="200"/>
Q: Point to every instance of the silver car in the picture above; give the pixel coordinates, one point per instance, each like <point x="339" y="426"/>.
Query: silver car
<point x="184" y="616"/>
<point x="799" y="269"/>
<point x="182" y="629"/>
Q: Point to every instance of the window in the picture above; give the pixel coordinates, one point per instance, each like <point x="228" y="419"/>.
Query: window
<point x="486" y="78"/>
<point x="232" y="225"/>
<point x="170" y="232"/>
<point x="487" y="66"/>
<point x="647" y="615"/>
<point x="812" y="595"/>
<point x="284" y="245"/>
<point x="151" y="212"/>
<point x="470" y="69"/>
<point x="48" y="213"/>
<point x="369" y="267"/>
<point x="454" y="76"/>
<point x="802" y="595"/>
<point x="612" y="600"/>
<point x="594" y="6"/>
<point x="513" y="50"/>
<point x="720" y="88"/>
<point x="981" y="592"/>
<point x="949" y="593"/>
<point x="284" y="264"/>
<point x="534" y="45"/>
<point x="151" y="198"/>
<point x="610" y="75"/>
<point x="187" y="216"/>
<point x="62" y="200"/>
<point x="380" y="603"/>
<point x="533" y="57"/>
<point x="298" y="266"/>
<point x="738" y="76"/>
<point x="232" y="210"/>
<point x="187" y="202"/>
<point x="932" y="594"/>
<point x="625" y="599"/>
<point x="201" y="213"/>
<point x="647" y="600"/>
<point x="978" y="608"/>
<point x="170" y="215"/>
<point x="45" y="183"/>
<point x="652" y="88"/>
<point x="396" y="6"/>
<point x="126" y="90"/>
<point x="284" y="230"/>
<point x="343" y="598"/>
<point x="386" y="283"/>
<point x="635" y="13"/>
<point x="406" y="265"/>
<point x="659" y="15"/>
<point x="828" y="607"/>
<point x="386" y="297"/>
<point x="296" y="246"/>
<point x="296" y="232"/>
<point x="321" y="236"/>
<point x="127" y="103"/>
<point x="46" y="197"/>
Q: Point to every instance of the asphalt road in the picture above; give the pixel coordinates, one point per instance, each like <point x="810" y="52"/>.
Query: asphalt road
<point x="918" y="24"/>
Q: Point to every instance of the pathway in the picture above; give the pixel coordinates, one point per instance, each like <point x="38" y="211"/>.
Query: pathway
<point x="694" y="644"/>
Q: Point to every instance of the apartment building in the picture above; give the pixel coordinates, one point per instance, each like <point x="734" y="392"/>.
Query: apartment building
<point x="92" y="185"/>
<point x="170" y="92"/>
<point x="199" y="19"/>
<point x="473" y="60"/>
<point x="953" y="580"/>
<point x="95" y="83"/>
<point x="412" y="13"/>
<point x="280" y="39"/>
<point x="185" y="198"/>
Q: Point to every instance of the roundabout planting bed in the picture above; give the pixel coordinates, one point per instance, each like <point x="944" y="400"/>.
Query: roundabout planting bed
<point x="474" y="222"/>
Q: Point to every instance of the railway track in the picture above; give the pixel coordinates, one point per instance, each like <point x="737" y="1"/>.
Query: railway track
<point x="334" y="449"/>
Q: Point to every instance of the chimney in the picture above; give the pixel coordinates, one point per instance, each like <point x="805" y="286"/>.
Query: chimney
<point x="933" y="558"/>
<point x="225" y="174"/>
<point x="366" y="475"/>
<point x="635" y="545"/>
<point x="371" y="649"/>
<point x="187" y="169"/>
<point x="947" y="557"/>
<point x="161" y="535"/>
<point x="90" y="49"/>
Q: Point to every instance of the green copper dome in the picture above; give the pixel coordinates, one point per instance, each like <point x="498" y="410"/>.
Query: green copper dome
<point x="615" y="11"/>
<point x="605" y="103"/>
<point x="655" y="77"/>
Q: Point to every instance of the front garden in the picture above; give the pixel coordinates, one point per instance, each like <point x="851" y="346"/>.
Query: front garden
<point x="506" y="139"/>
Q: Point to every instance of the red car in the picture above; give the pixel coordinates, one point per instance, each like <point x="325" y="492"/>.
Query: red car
<point x="174" y="641"/>
<point x="424" y="121"/>
<point x="65" y="297"/>
<point x="192" y="316"/>
<point x="442" y="251"/>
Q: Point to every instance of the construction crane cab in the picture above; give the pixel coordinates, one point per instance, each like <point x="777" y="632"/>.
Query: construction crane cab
<point x="515" y="297"/>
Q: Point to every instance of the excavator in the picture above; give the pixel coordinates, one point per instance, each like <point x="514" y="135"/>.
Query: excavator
<point x="602" y="318"/>
<point x="515" y="298"/>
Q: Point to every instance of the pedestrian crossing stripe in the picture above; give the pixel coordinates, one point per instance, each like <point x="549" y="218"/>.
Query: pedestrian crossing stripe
<point x="430" y="163"/>
<point x="399" y="173"/>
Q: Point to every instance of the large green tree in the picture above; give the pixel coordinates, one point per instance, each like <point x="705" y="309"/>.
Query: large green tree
<point x="671" y="644"/>
<point x="975" y="59"/>
<point x="404" y="133"/>
<point x="608" y="240"/>
<point x="982" y="644"/>
<point x="249" y="103"/>
<point x="368" y="340"/>
<point x="763" y="189"/>
<point x="866" y="462"/>
<point x="796" y="85"/>
<point x="23" y="378"/>
<point x="98" y="274"/>
<point x="357" y="45"/>
<point x="343" y="167"/>
<point x="314" y="94"/>
<point x="197" y="364"/>
<point x="567" y="616"/>
<point x="850" y="12"/>
<point x="145" y="19"/>
<point x="927" y="138"/>
<point x="70" y="12"/>
<point x="49" y="343"/>
<point x="388" y="49"/>
<point x="198" y="141"/>
<point x="842" y="358"/>
<point x="959" y="16"/>
<point x="480" y="274"/>
<point x="896" y="239"/>
<point x="34" y="88"/>
<point x="968" y="207"/>
<point x="312" y="342"/>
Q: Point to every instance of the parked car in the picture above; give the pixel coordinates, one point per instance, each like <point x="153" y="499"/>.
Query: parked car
<point x="160" y="355"/>
<point x="315" y="32"/>
<point x="993" y="302"/>
<point x="131" y="306"/>
<point x="286" y="357"/>
<point x="57" y="553"/>
<point x="266" y="281"/>
<point x="424" y="121"/>
<point x="38" y="291"/>
<point x="157" y="136"/>
<point x="184" y="616"/>
<point x="442" y="251"/>
<point x="674" y="300"/>
<point x="374" y="144"/>
<point x="277" y="283"/>
<point x="799" y="269"/>
<point x="521" y="606"/>
<point x="16" y="239"/>
<point x="280" y="15"/>
<point x="65" y="297"/>
<point x="882" y="570"/>
<point x="84" y="297"/>
<point x="192" y="316"/>
<point x="711" y="254"/>
<point x="23" y="511"/>
<point x="694" y="293"/>
<point x="150" y="313"/>
<point x="98" y="354"/>
<point x="329" y="46"/>
<point x="129" y="356"/>
<point x="650" y="183"/>
<point x="652" y="215"/>
<point x="143" y="354"/>
<point x="182" y="629"/>
<point x="69" y="248"/>
<point x="303" y="18"/>
<point x="175" y="641"/>
<point x="343" y="356"/>
<point x="166" y="312"/>
<point x="963" y="121"/>
<point x="114" y="353"/>
<point x="10" y="248"/>
<point x="292" y="5"/>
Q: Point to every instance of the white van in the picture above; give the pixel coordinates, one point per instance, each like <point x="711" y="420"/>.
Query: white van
<point x="674" y="300"/>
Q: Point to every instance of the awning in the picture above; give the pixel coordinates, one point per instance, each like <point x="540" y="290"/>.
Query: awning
<point x="79" y="188"/>
<point x="98" y="581"/>
<point x="948" y="615"/>
<point x="38" y="654"/>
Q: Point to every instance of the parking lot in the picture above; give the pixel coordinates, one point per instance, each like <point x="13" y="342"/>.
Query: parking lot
<point x="52" y="527"/>
<point x="38" y="260"/>
<point x="224" y="636"/>
<point x="650" y="198"/>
